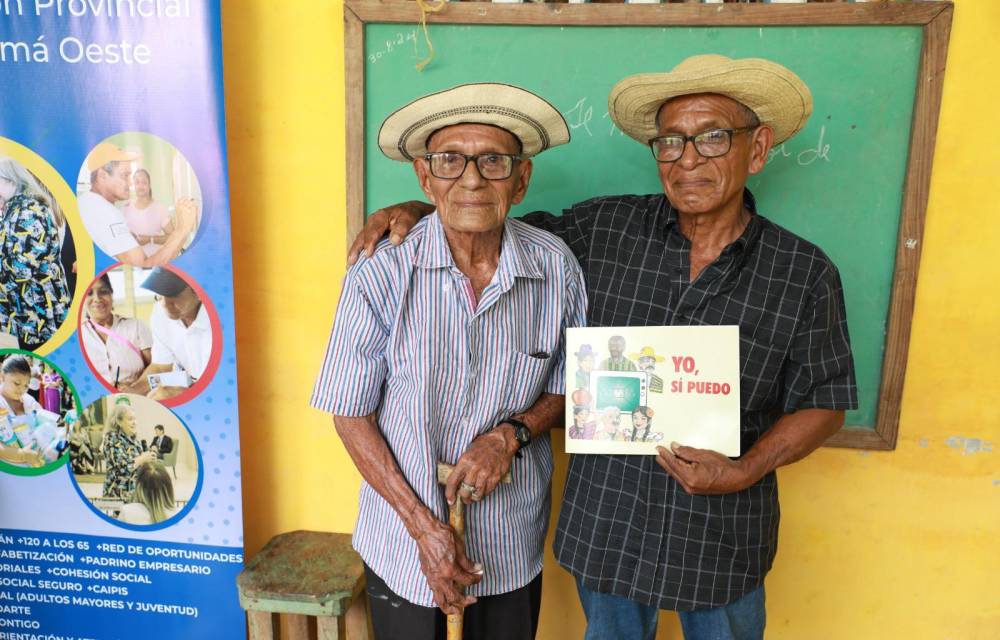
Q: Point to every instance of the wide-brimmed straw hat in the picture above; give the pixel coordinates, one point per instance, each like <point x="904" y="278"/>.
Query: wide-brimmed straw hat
<point x="535" y="122"/>
<point x="647" y="352"/>
<point x="778" y="96"/>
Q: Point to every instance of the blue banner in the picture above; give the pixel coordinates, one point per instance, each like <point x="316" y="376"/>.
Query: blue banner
<point x="120" y="501"/>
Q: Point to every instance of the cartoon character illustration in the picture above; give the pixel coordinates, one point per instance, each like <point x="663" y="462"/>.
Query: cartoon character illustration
<point x="642" y="423"/>
<point x="608" y="423"/>
<point x="617" y="361"/>
<point x="583" y="427"/>
<point x="647" y="359"/>
<point x="585" y="364"/>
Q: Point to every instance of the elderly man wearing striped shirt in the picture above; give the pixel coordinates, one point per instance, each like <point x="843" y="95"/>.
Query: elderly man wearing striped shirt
<point x="449" y="347"/>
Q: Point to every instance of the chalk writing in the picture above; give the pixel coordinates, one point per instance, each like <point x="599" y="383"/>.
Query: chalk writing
<point x="392" y="44"/>
<point x="806" y="157"/>
<point x="809" y="156"/>
<point x="614" y="128"/>
<point x="580" y="116"/>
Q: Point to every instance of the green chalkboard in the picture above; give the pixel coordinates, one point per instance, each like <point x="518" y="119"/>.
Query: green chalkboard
<point x="839" y="183"/>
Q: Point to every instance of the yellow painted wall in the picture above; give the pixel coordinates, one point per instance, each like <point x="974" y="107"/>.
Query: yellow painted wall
<point x="873" y="545"/>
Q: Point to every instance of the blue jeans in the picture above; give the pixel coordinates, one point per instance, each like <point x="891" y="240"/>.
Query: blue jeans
<point x="611" y="617"/>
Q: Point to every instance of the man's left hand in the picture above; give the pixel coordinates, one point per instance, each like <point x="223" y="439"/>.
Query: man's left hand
<point x="482" y="466"/>
<point x="701" y="471"/>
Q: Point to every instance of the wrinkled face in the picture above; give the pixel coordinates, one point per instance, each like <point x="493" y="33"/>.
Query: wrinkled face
<point x="99" y="301"/>
<point x="14" y="385"/>
<point x="698" y="185"/>
<point x="470" y="203"/>
<point x="587" y="363"/>
<point x="127" y="422"/>
<point x="7" y="190"/>
<point x="141" y="181"/>
<point x="118" y="182"/>
<point x="616" y="346"/>
<point x="184" y="305"/>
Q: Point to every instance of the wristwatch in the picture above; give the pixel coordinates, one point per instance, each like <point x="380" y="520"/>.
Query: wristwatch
<point x="521" y="433"/>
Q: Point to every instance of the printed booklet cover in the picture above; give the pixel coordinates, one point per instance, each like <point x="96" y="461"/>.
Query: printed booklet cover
<point x="631" y="389"/>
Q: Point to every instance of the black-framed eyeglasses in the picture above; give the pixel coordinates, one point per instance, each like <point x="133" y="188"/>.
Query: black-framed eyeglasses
<point x="449" y="165"/>
<point x="709" y="144"/>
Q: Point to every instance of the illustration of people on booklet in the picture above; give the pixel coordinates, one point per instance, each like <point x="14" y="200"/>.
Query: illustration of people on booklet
<point x="585" y="364"/>
<point x="642" y="424"/>
<point x="583" y="427"/>
<point x="647" y="359"/>
<point x="617" y="360"/>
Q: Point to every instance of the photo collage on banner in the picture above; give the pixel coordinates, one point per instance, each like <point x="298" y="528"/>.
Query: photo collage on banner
<point x="120" y="499"/>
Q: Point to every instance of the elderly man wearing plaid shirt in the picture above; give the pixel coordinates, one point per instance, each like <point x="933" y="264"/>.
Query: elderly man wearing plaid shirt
<point x="691" y="530"/>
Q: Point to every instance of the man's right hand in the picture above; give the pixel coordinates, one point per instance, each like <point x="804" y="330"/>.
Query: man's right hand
<point x="445" y="565"/>
<point x="395" y="219"/>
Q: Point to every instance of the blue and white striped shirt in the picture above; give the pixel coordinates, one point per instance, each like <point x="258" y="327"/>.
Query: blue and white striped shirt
<point x="409" y="343"/>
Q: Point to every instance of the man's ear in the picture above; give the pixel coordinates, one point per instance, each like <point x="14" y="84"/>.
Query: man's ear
<point x="424" y="177"/>
<point x="760" y="147"/>
<point x="523" y="173"/>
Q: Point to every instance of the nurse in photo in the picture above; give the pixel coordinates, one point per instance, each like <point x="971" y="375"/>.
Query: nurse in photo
<point x="118" y="348"/>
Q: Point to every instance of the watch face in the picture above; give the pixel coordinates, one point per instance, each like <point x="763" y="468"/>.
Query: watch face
<point x="523" y="434"/>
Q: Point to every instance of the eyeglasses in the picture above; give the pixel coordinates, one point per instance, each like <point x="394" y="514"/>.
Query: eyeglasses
<point x="709" y="144"/>
<point x="449" y="165"/>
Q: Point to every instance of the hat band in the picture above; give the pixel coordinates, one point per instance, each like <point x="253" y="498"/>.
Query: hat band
<point x="486" y="109"/>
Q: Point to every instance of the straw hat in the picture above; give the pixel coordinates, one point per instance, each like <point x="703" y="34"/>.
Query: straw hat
<point x="647" y="352"/>
<point x="776" y="95"/>
<point x="535" y="122"/>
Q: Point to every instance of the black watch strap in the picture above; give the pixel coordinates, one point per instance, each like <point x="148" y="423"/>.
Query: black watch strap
<point x="521" y="433"/>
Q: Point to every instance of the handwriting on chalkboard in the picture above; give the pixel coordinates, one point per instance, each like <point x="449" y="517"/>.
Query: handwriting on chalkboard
<point x="392" y="44"/>
<point x="582" y="114"/>
<point x="804" y="158"/>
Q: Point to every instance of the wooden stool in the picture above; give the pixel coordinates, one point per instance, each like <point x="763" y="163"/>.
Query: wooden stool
<point x="306" y="574"/>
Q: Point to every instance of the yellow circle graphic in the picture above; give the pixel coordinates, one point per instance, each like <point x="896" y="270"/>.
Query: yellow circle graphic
<point x="81" y="239"/>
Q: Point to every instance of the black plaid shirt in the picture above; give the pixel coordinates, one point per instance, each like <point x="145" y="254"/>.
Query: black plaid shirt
<point x="626" y="527"/>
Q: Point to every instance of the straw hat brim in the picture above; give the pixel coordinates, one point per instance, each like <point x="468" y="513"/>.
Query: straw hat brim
<point x="778" y="97"/>
<point x="534" y="121"/>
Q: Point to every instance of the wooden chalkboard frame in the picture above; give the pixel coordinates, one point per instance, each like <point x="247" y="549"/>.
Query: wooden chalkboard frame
<point x="934" y="18"/>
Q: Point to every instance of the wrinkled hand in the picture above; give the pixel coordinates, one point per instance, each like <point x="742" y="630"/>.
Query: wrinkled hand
<point x="397" y="219"/>
<point x="482" y="465"/>
<point x="704" y="472"/>
<point x="186" y="213"/>
<point x="445" y="565"/>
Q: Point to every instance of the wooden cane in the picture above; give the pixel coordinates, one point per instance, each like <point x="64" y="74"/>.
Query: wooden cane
<point x="456" y="518"/>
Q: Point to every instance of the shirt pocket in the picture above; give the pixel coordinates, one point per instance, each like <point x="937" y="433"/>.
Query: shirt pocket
<point x="524" y="378"/>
